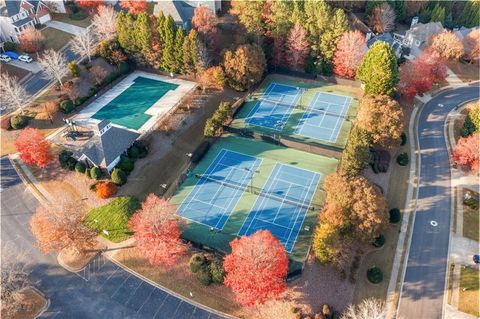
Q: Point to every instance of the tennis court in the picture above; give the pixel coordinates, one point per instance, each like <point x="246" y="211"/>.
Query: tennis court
<point x="283" y="204"/>
<point x="211" y="202"/>
<point x="274" y="107"/>
<point x="324" y="116"/>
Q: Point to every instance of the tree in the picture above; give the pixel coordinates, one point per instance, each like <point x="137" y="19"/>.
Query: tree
<point x="466" y="152"/>
<point x="278" y="54"/>
<point x="98" y="73"/>
<point x="382" y="118"/>
<point x="414" y="7"/>
<point x="106" y="189"/>
<point x="438" y="14"/>
<point x="244" y="67"/>
<point x="383" y="18"/>
<point x="134" y="6"/>
<point x="357" y="153"/>
<point x="61" y="226"/>
<point x="53" y="65"/>
<point x="178" y="49"/>
<point x="250" y="14"/>
<point x="89" y="5"/>
<point x="13" y="95"/>
<point x="34" y="149"/>
<point x="379" y="69"/>
<point x="168" y="41"/>
<point x="337" y="26"/>
<point x="70" y="90"/>
<point x="126" y="31"/>
<point x="31" y="40"/>
<point x="349" y="54"/>
<point x="143" y="33"/>
<point x="472" y="46"/>
<point x="191" y="63"/>
<point x="469" y="17"/>
<point x="105" y="22"/>
<point x="297" y="46"/>
<point x="280" y="18"/>
<point x="157" y="231"/>
<point x="213" y="77"/>
<point x="256" y="268"/>
<point x="205" y="22"/>
<point x="368" y="309"/>
<point x="472" y="121"/>
<point x="84" y="43"/>
<point x="49" y="109"/>
<point x="448" y="45"/>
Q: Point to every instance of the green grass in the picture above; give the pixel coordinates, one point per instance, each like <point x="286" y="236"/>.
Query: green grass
<point x="64" y="17"/>
<point x="468" y="300"/>
<point x="270" y="155"/>
<point x="312" y="87"/>
<point x="113" y="217"/>
<point x="471" y="222"/>
<point x="55" y="39"/>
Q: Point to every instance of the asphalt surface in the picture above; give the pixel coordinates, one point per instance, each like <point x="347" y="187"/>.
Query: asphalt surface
<point x="101" y="290"/>
<point x="423" y="287"/>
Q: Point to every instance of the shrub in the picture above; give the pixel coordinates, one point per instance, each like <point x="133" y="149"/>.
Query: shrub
<point x="379" y="241"/>
<point x="81" y="100"/>
<point x="402" y="159"/>
<point x="133" y="152"/>
<point x="119" y="177"/>
<point x="472" y="123"/>
<point x="80" y="167"/>
<point x="74" y="69"/>
<point x="79" y="15"/>
<point x="470" y="201"/>
<point x="394" y="215"/>
<point x="71" y="163"/>
<point x="404" y="139"/>
<point x="10" y="46"/>
<point x="67" y="106"/>
<point x="63" y="158"/>
<point x="87" y="173"/>
<point x="106" y="189"/>
<point x="204" y="277"/>
<point x="93" y="90"/>
<point x="19" y="121"/>
<point x="96" y="173"/>
<point x="126" y="164"/>
<point x="197" y="262"/>
<point x="138" y="150"/>
<point x="327" y="312"/>
<point x="5" y="123"/>
<point x="374" y="275"/>
<point x="217" y="271"/>
<point x="93" y="187"/>
<point x="123" y="67"/>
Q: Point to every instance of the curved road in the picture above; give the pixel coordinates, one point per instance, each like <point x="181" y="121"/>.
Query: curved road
<point x="102" y="290"/>
<point x="422" y="293"/>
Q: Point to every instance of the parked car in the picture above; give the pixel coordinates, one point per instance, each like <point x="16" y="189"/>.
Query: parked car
<point x="12" y="55"/>
<point x="25" y="58"/>
<point x="5" y="58"/>
<point x="476" y="259"/>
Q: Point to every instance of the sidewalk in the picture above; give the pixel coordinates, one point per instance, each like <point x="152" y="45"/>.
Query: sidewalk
<point x="65" y="27"/>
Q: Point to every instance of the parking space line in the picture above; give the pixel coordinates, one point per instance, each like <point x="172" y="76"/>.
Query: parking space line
<point x="129" y="274"/>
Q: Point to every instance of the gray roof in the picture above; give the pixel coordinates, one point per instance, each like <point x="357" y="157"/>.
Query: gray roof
<point x="21" y="22"/>
<point x="13" y="7"/>
<point x="424" y="31"/>
<point x="102" y="124"/>
<point x="103" y="150"/>
<point x="385" y="37"/>
<point x="180" y="11"/>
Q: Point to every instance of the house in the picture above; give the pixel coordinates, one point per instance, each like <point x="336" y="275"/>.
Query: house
<point x="418" y="36"/>
<point x="387" y="38"/>
<point x="182" y="11"/>
<point x="17" y="15"/>
<point x="106" y="146"/>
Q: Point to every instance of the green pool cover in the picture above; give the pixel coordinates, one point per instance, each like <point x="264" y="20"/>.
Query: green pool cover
<point x="128" y="108"/>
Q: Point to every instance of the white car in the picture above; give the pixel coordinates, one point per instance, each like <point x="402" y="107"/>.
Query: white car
<point x="25" y="58"/>
<point x="5" y="58"/>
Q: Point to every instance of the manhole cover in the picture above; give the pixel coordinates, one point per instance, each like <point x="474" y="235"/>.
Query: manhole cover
<point x="433" y="223"/>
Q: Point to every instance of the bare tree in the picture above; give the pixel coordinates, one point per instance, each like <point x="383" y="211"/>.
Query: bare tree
<point x="49" y="109"/>
<point x="203" y="56"/>
<point x="105" y="22"/>
<point x="98" y="73"/>
<point x="12" y="94"/>
<point x="84" y="43"/>
<point x="383" y="18"/>
<point x="54" y="65"/>
<point x="14" y="278"/>
<point x="368" y="309"/>
<point x="70" y="89"/>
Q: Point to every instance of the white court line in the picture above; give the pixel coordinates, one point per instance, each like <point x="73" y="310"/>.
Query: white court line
<point x="267" y="91"/>
<point x="340" y="119"/>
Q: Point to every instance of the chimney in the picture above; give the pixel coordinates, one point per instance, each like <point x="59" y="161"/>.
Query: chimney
<point x="414" y="21"/>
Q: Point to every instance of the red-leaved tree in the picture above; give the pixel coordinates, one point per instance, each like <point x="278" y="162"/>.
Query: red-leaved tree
<point x="278" y="54"/>
<point x="31" y="40"/>
<point x="34" y="149"/>
<point x="256" y="268"/>
<point x="298" y="47"/>
<point x="134" y="6"/>
<point x="89" y="5"/>
<point x="157" y="230"/>
<point x="467" y="153"/>
<point x="205" y="22"/>
<point x="351" y="48"/>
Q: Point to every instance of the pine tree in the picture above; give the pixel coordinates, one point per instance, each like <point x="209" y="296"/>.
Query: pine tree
<point x="161" y="24"/>
<point x="169" y="32"/>
<point x="126" y="32"/>
<point x="280" y="17"/>
<point x="438" y="14"/>
<point x="470" y="14"/>
<point x="143" y="34"/>
<point x="400" y="8"/>
<point x="121" y="29"/>
<point x="317" y="18"/>
<point x="179" y="40"/>
<point x="379" y="69"/>
<point x="329" y="38"/>
<point x="190" y="58"/>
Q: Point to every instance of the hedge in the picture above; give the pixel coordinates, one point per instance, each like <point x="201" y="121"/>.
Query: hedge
<point x="374" y="275"/>
<point x="67" y="106"/>
<point x="19" y="121"/>
<point x="126" y="164"/>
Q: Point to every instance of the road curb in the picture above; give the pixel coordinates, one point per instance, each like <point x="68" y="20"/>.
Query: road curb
<point x="22" y="173"/>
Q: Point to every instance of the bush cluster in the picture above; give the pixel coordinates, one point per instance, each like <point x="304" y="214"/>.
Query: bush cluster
<point x="207" y="269"/>
<point x="106" y="189"/>
<point x="66" y="160"/>
<point x="379" y="160"/>
<point x="379" y="241"/>
<point x="402" y="159"/>
<point x="394" y="215"/>
<point x="374" y="275"/>
<point x="119" y="177"/>
<point x="67" y="106"/>
<point x="221" y="115"/>
<point x="17" y="122"/>
<point x="472" y="123"/>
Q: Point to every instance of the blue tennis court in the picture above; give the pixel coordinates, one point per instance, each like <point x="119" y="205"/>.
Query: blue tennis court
<point x="211" y="203"/>
<point x="283" y="204"/>
<point x="274" y="107"/>
<point x="324" y="116"/>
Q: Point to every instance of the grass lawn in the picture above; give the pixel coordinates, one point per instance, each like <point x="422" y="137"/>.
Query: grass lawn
<point x="55" y="39"/>
<point x="63" y="17"/>
<point x="471" y="222"/>
<point x="113" y="217"/>
<point x="468" y="300"/>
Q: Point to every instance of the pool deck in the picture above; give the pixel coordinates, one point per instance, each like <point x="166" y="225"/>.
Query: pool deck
<point x="157" y="110"/>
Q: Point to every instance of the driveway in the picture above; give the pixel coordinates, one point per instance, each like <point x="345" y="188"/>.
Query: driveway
<point x="422" y="293"/>
<point x="65" y="27"/>
<point x="101" y="290"/>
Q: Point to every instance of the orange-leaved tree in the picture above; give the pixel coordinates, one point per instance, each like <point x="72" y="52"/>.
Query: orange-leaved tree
<point x="256" y="268"/>
<point x="448" y="45"/>
<point x="31" y="40"/>
<point x="349" y="54"/>
<point x="134" y="6"/>
<point x="157" y="231"/>
<point x="34" y="149"/>
<point x="106" y="189"/>
<point x="213" y="77"/>
<point x="467" y="153"/>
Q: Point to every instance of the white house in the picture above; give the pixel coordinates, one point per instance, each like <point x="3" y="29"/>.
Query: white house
<point x="17" y="15"/>
<point x="418" y="36"/>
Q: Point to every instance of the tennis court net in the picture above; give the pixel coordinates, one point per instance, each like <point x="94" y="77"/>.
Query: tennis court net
<point x="256" y="191"/>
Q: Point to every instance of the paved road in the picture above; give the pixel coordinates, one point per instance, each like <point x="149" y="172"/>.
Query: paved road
<point x="423" y="286"/>
<point x="102" y="290"/>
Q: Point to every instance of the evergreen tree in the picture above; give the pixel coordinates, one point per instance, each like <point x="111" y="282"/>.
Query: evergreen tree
<point x="372" y="4"/>
<point x="179" y="41"/>
<point x="317" y="18"/>
<point x="126" y="36"/>
<point x="169" y="60"/>
<point x="281" y="13"/>
<point x="161" y="24"/>
<point x="400" y="8"/>
<point x="121" y="29"/>
<point x="379" y="69"/>
<point x="143" y="34"/>
<point x="190" y="58"/>
<point x="470" y="14"/>
<point x="297" y="13"/>
<point x="329" y="38"/>
<point x="438" y="14"/>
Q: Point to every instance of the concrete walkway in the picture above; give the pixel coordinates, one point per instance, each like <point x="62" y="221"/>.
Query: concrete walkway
<point x="65" y="27"/>
<point x="33" y="66"/>
<point x="452" y="78"/>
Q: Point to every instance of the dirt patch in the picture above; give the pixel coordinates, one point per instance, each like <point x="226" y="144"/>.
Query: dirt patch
<point x="32" y="303"/>
<point x="73" y="261"/>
